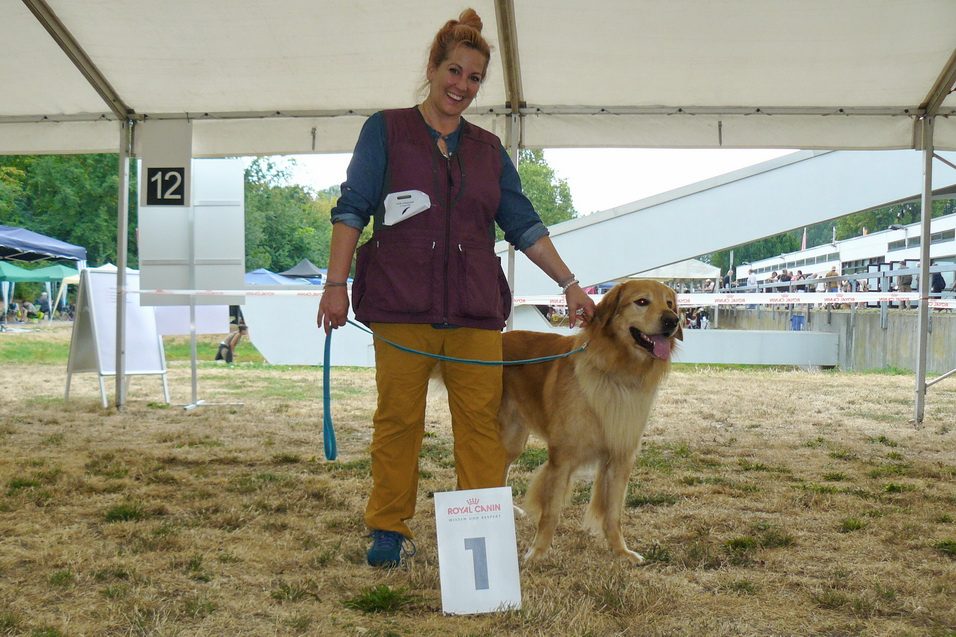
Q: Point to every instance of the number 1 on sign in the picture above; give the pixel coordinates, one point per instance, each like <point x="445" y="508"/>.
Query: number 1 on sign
<point x="480" y="559"/>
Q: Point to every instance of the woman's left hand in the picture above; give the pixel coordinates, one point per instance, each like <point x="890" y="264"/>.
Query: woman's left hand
<point x="580" y="305"/>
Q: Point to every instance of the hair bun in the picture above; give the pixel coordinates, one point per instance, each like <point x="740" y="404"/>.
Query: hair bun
<point x="469" y="17"/>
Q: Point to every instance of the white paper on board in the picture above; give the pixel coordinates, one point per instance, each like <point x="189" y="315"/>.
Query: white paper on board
<point x="477" y="551"/>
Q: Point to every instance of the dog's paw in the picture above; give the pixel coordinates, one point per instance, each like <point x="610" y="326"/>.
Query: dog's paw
<point x="519" y="512"/>
<point x="533" y="554"/>
<point x="633" y="557"/>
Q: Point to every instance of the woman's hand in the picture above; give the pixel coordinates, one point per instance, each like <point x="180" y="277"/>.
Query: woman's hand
<point x="580" y="305"/>
<point x="333" y="308"/>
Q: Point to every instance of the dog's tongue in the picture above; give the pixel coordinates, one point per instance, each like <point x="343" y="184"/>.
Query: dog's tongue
<point x="662" y="347"/>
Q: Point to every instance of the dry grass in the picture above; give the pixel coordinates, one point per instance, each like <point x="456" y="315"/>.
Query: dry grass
<point x="767" y="503"/>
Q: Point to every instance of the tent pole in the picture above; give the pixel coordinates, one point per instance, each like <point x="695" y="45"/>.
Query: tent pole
<point x="122" y="229"/>
<point x="514" y="122"/>
<point x="926" y="216"/>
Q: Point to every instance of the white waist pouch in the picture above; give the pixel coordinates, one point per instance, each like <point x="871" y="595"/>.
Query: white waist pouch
<point x="403" y="205"/>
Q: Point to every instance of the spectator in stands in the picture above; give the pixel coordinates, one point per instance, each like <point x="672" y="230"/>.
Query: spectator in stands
<point x="785" y="277"/>
<point x="801" y="285"/>
<point x="937" y="283"/>
<point x="834" y="284"/>
<point x="904" y="283"/>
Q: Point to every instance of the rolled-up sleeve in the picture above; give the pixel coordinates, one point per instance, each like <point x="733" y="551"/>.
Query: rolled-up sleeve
<point x="362" y="189"/>
<point x="516" y="215"/>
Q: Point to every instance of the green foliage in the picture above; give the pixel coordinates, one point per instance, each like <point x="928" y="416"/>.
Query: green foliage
<point x="285" y="223"/>
<point x="550" y="196"/>
<point x="69" y="197"/>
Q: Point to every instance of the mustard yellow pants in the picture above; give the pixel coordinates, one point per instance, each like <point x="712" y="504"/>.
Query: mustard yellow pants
<point x="474" y="395"/>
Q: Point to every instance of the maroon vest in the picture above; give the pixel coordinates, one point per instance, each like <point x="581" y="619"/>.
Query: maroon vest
<point x="439" y="266"/>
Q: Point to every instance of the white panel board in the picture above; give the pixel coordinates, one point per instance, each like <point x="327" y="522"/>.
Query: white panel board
<point x="284" y="330"/>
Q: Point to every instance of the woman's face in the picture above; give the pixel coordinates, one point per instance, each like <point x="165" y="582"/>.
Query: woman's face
<point x="453" y="84"/>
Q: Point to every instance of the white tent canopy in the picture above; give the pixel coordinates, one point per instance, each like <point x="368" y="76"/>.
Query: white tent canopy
<point x="263" y="77"/>
<point x="299" y="76"/>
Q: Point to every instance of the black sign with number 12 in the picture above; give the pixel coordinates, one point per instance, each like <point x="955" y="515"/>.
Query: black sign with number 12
<point x="165" y="186"/>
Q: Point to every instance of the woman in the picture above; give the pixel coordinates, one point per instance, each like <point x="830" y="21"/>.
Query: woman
<point x="434" y="186"/>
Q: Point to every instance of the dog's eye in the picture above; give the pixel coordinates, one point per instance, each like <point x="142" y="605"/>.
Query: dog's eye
<point x="642" y="302"/>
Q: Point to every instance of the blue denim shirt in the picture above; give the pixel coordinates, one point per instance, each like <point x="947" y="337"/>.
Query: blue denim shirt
<point x="362" y="189"/>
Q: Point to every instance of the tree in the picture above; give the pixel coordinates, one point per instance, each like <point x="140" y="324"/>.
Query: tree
<point x="69" y="197"/>
<point x="285" y="223"/>
<point x="11" y="192"/>
<point x="550" y="196"/>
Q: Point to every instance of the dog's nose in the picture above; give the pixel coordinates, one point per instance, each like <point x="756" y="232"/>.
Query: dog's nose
<point x="669" y="322"/>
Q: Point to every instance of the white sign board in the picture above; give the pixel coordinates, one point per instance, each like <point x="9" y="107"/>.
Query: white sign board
<point x="199" y="246"/>
<point x="167" y="149"/>
<point x="93" y="344"/>
<point x="477" y="551"/>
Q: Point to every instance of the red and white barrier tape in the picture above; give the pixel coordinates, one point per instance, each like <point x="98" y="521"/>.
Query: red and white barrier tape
<point x="684" y="300"/>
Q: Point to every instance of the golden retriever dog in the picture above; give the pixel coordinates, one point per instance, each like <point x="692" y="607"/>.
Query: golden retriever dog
<point x="590" y="408"/>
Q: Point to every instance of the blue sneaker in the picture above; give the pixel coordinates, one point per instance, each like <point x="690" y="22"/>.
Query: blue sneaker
<point x="388" y="548"/>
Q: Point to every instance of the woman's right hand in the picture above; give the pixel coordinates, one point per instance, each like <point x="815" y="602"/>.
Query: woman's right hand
<point x="333" y="308"/>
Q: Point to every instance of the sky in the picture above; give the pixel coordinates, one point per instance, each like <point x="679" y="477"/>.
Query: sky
<point x="599" y="178"/>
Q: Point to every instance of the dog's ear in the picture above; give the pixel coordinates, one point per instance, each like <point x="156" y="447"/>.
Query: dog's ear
<point x="679" y="334"/>
<point x="606" y="308"/>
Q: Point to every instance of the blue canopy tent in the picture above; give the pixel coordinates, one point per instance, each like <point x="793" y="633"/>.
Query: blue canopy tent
<point x="20" y="244"/>
<point x="265" y="277"/>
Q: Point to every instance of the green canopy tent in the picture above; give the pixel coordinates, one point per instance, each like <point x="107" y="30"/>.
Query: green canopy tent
<point x="52" y="275"/>
<point x="10" y="275"/>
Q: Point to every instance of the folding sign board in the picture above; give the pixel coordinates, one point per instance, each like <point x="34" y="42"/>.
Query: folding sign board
<point x="477" y="551"/>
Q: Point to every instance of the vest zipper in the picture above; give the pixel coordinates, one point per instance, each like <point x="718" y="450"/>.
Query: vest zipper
<point x="450" y="184"/>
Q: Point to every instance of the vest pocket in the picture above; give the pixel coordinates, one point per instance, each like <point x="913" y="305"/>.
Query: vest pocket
<point x="479" y="295"/>
<point x="396" y="277"/>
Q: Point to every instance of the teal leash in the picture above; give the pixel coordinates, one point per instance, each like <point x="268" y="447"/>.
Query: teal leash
<point x="470" y="361"/>
<point x="328" y="432"/>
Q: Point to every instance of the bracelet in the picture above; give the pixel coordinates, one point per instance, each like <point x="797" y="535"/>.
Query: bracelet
<point x="336" y="284"/>
<point x="565" y="281"/>
<point x="566" y="286"/>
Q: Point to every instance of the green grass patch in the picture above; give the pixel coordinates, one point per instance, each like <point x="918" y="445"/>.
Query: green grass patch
<point x="19" y="352"/>
<point x="834" y="477"/>
<point x="853" y="524"/>
<point x="947" y="547"/>
<point x="61" y="578"/>
<point x="887" y="470"/>
<point x="532" y="458"/>
<point x="295" y="592"/>
<point x="131" y="512"/>
<point x="9" y="622"/>
<point x="381" y="599"/>
<point x="16" y="484"/>
<point x="651" y="500"/>
<point x="883" y="440"/>
<point x="361" y="468"/>
<point x="893" y="487"/>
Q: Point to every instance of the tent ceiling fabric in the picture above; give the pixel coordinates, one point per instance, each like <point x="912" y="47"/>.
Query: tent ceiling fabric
<point x="300" y="76"/>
